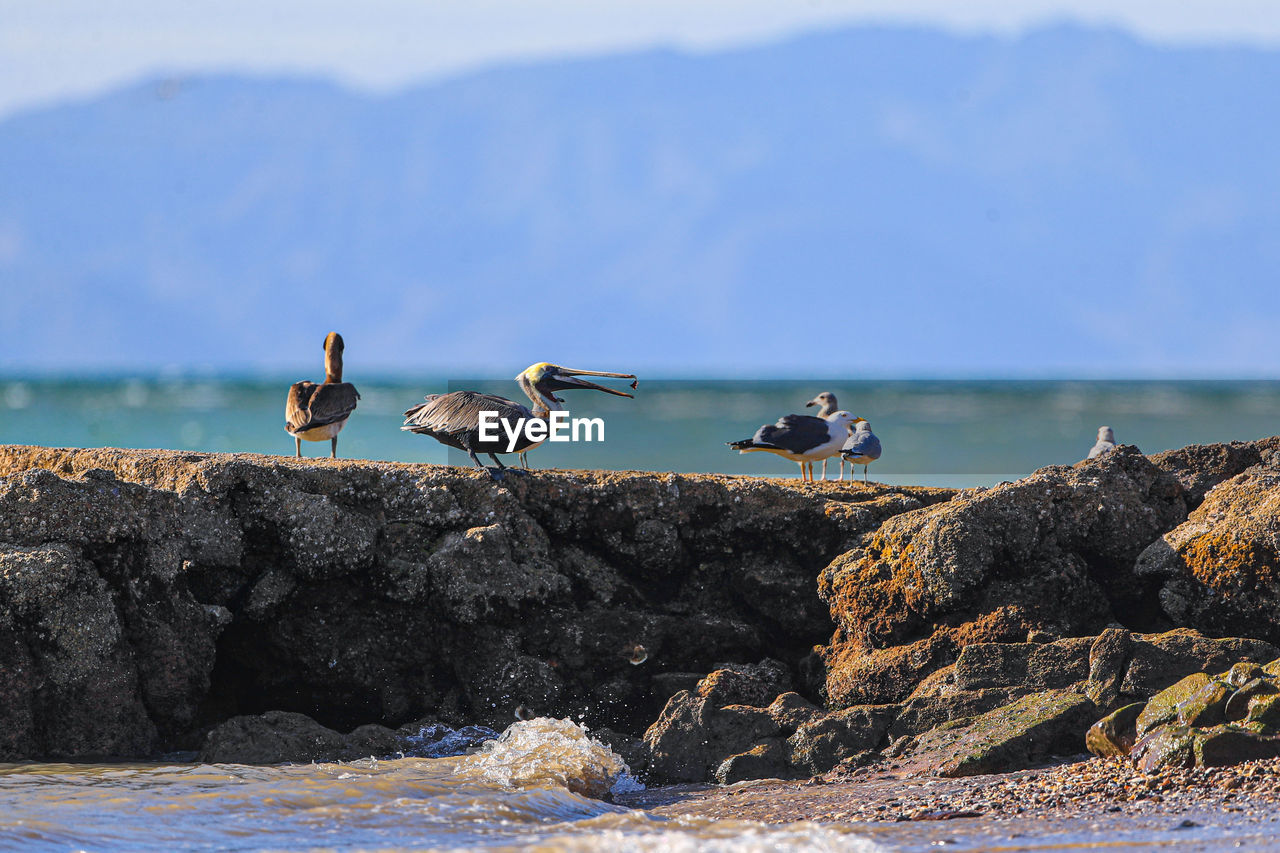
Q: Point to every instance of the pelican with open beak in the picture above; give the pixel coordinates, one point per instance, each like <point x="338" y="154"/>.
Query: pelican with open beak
<point x="453" y="419"/>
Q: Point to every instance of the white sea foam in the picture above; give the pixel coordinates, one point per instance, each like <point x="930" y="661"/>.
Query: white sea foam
<point x="546" y="751"/>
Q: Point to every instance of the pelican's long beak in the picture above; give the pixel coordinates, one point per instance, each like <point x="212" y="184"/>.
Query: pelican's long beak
<point x="565" y="379"/>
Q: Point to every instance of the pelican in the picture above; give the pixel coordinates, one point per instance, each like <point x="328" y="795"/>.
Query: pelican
<point x="861" y="448"/>
<point x="454" y="418"/>
<point x="827" y="401"/>
<point x="801" y="439"/>
<point x="318" y="412"/>
<point x="1106" y="442"/>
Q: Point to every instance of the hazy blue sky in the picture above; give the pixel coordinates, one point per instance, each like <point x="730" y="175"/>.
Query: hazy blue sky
<point x="55" y="49"/>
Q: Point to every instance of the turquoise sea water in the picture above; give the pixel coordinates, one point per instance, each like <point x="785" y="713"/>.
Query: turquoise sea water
<point x="953" y="433"/>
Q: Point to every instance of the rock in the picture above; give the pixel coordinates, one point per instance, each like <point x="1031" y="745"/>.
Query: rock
<point x="1159" y="660"/>
<point x="1226" y="745"/>
<point x="1219" y="572"/>
<point x="1211" y="721"/>
<point x="1206" y="707"/>
<point x="1166" y="746"/>
<point x="1013" y="737"/>
<point x="1238" y="705"/>
<point x="922" y="713"/>
<point x="1201" y="467"/>
<point x="1264" y="711"/>
<point x="281" y="736"/>
<point x="729" y="712"/>
<point x="819" y="745"/>
<point x="1162" y="709"/>
<point x="1109" y="657"/>
<point x="1116" y="733"/>
<point x="1032" y="666"/>
<point x="765" y="760"/>
<point x="210" y="586"/>
<point x="1053" y="552"/>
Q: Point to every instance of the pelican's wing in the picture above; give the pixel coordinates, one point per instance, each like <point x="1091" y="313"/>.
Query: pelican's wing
<point x="297" y="406"/>
<point x="332" y="402"/>
<point x="459" y="412"/>
<point x="795" y="433"/>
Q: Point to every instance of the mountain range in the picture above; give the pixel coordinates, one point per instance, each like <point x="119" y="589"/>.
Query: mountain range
<point x="861" y="203"/>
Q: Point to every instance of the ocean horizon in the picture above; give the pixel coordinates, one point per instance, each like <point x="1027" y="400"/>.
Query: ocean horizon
<point x="940" y="432"/>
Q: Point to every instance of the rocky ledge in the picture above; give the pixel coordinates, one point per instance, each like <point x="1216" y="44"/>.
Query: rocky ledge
<point x="147" y="597"/>
<point x="258" y="607"/>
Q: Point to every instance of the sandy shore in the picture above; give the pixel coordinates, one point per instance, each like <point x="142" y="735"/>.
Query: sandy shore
<point x="1097" y="801"/>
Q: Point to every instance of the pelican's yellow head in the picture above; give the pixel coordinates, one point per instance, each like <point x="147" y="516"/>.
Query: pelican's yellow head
<point x="536" y="372"/>
<point x="544" y="379"/>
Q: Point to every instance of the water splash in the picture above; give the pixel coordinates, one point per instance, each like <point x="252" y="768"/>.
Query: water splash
<point x="545" y="751"/>
<point x="440" y="741"/>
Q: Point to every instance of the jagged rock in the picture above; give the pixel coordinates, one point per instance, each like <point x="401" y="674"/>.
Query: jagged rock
<point x="728" y="713"/>
<point x="208" y="586"/>
<point x="1211" y="720"/>
<point x="1220" y="570"/>
<point x="1160" y="660"/>
<point x="1201" y="467"/>
<point x="766" y="760"/>
<point x="1166" y="746"/>
<point x="1054" y="552"/>
<point x="1116" y="733"/>
<point x="1264" y="711"/>
<point x="922" y="713"/>
<point x="1238" y="706"/>
<point x="1012" y="737"/>
<point x="1108" y="660"/>
<point x="1033" y="666"/>
<point x="1162" y="709"/>
<point x="281" y="736"/>
<point x="821" y="744"/>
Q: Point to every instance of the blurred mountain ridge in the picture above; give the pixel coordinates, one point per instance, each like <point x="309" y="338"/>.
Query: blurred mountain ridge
<point x="868" y="202"/>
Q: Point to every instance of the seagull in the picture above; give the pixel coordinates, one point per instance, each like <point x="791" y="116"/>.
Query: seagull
<point x="827" y="401"/>
<point x="801" y="439"/>
<point x="1106" y="442"/>
<point x="318" y="412"/>
<point x="861" y="448"/>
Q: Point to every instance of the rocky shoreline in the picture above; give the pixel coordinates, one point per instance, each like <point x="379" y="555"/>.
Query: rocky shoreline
<point x="729" y="628"/>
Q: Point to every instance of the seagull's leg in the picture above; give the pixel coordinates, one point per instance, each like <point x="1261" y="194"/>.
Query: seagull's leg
<point x="864" y="472"/>
<point x="297" y="447"/>
<point x="842" y="469"/>
<point x="333" y="449"/>
<point x="824" y="469"/>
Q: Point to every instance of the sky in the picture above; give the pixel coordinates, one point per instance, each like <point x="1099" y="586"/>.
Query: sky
<point x="55" y="50"/>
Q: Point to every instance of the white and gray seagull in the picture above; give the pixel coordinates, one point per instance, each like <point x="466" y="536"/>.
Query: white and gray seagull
<point x="800" y="438"/>
<point x="1106" y="442"/>
<point x="827" y="401"/>
<point x="861" y="448"/>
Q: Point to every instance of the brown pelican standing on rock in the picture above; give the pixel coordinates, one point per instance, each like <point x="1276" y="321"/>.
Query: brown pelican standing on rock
<point x="861" y="448"/>
<point x="800" y="438"/>
<point x="1106" y="442"/>
<point x="318" y="412"/>
<point x="454" y="418"/>
<point x="827" y="401"/>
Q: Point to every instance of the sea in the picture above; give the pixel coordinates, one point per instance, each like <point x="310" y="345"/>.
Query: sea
<point x="939" y="433"/>
<point x="547" y="784"/>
